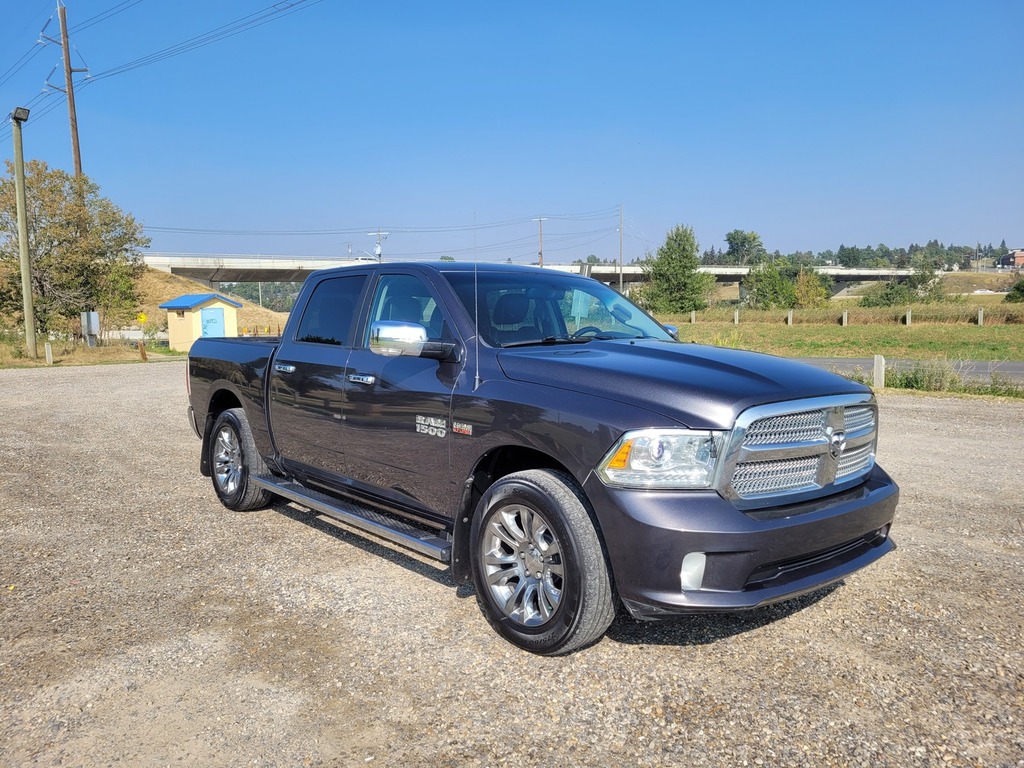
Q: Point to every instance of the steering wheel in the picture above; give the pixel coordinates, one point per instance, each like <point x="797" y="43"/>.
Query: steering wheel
<point x="585" y="329"/>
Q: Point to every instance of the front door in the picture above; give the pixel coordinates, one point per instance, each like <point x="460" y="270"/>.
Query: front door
<point x="397" y="409"/>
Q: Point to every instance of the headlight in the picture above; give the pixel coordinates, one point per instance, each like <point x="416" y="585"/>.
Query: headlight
<point x="663" y="458"/>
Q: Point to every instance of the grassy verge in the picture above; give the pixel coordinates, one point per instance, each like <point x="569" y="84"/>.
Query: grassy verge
<point x="943" y="376"/>
<point x="996" y="312"/>
<point x="918" y="342"/>
<point x="14" y="355"/>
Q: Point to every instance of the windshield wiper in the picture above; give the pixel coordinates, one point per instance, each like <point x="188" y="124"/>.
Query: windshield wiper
<point x="548" y="340"/>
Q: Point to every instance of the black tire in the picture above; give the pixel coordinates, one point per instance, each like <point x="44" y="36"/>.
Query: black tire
<point x="234" y="460"/>
<point x="542" y="580"/>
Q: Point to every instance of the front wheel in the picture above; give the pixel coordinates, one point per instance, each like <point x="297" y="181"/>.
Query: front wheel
<point x="234" y="459"/>
<point x="542" y="580"/>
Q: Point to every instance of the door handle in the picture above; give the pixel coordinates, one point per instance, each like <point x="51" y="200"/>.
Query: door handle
<point x="361" y="378"/>
<point x="282" y="368"/>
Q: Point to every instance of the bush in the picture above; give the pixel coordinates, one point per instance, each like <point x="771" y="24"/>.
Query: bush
<point x="1016" y="294"/>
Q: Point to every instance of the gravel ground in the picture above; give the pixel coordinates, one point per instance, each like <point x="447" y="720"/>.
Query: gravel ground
<point x="144" y="625"/>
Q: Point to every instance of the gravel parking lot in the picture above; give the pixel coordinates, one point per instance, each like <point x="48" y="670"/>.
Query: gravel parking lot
<point x="145" y="625"/>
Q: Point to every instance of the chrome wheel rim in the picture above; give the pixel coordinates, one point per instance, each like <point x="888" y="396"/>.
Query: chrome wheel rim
<point x="227" y="461"/>
<point x="522" y="562"/>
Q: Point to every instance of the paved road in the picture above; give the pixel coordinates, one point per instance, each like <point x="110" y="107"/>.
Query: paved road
<point x="970" y="370"/>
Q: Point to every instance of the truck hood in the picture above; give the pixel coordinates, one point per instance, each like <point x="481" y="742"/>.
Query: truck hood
<point x="698" y="386"/>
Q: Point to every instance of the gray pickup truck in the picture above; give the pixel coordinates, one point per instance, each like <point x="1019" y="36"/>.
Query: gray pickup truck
<point x="551" y="441"/>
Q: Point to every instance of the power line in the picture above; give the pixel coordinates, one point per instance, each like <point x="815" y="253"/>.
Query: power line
<point x="520" y="248"/>
<point x="104" y="15"/>
<point x="223" y="32"/>
<point x="245" y="23"/>
<point x="606" y="214"/>
<point x="21" y="63"/>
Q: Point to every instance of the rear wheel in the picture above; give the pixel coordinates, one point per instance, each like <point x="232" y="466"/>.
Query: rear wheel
<point x="542" y="580"/>
<point x="234" y="460"/>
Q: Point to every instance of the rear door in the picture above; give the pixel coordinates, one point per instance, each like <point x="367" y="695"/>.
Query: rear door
<point x="308" y="378"/>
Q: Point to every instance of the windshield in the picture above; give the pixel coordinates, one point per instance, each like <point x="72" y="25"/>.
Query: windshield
<point x="548" y="307"/>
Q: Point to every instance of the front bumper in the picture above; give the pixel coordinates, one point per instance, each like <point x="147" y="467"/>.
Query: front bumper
<point x="750" y="558"/>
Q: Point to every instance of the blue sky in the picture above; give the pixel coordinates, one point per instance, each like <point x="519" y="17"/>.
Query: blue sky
<point x="454" y="124"/>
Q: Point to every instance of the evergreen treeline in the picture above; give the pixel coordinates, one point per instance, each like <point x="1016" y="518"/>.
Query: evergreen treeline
<point x="746" y="249"/>
<point x="279" y="296"/>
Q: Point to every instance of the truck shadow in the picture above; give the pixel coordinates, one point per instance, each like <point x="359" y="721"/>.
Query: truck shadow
<point x="698" y="629"/>
<point x="703" y="629"/>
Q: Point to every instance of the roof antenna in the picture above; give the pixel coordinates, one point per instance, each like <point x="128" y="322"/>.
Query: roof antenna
<point x="476" y="308"/>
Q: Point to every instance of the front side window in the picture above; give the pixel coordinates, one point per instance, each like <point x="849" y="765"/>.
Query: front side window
<point x="518" y="308"/>
<point x="405" y="298"/>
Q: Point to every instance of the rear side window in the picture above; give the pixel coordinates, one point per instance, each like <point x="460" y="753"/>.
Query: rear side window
<point x="330" y="312"/>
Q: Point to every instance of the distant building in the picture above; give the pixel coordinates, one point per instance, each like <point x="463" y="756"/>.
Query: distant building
<point x="1013" y="259"/>
<point x="199" y="314"/>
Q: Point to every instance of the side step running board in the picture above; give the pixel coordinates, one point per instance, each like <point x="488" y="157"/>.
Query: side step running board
<point x="421" y="540"/>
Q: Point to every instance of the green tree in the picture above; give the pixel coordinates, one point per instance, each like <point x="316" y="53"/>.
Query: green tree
<point x="276" y="295"/>
<point x="849" y="256"/>
<point x="765" y="287"/>
<point x="922" y="287"/>
<point x="811" y="290"/>
<point x="84" y="251"/>
<point x="711" y="256"/>
<point x="1016" y="294"/>
<point x="744" y="248"/>
<point x="674" y="284"/>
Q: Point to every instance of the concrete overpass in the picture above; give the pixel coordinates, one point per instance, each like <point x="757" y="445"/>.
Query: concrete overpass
<point x="609" y="273"/>
<point x="213" y="269"/>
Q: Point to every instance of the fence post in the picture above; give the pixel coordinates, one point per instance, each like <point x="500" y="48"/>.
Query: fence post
<point x="846" y="317"/>
<point x="693" y="316"/>
<point x="981" y="316"/>
<point x="789" y="317"/>
<point x="878" y="379"/>
<point x="735" y="317"/>
<point x="49" y="354"/>
<point x="908" y="316"/>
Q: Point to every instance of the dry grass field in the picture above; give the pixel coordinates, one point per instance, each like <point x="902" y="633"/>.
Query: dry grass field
<point x="155" y="288"/>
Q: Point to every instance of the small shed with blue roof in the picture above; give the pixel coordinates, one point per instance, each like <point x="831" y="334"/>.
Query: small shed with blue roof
<point x="199" y="314"/>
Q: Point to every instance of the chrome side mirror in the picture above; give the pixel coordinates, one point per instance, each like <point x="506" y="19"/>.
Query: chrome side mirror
<point x="392" y="338"/>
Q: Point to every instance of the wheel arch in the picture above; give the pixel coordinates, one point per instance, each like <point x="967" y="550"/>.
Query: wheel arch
<point x="491" y="467"/>
<point x="221" y="400"/>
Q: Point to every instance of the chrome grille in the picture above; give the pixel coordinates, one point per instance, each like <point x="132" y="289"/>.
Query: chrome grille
<point x="856" y="461"/>
<point x="783" y="476"/>
<point x="787" y="452"/>
<point x="788" y="428"/>
<point x="858" y="418"/>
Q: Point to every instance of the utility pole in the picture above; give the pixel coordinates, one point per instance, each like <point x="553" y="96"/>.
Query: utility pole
<point x="378" y="251"/>
<point x="540" y="250"/>
<point x="69" y="84"/>
<point x="19" y="116"/>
